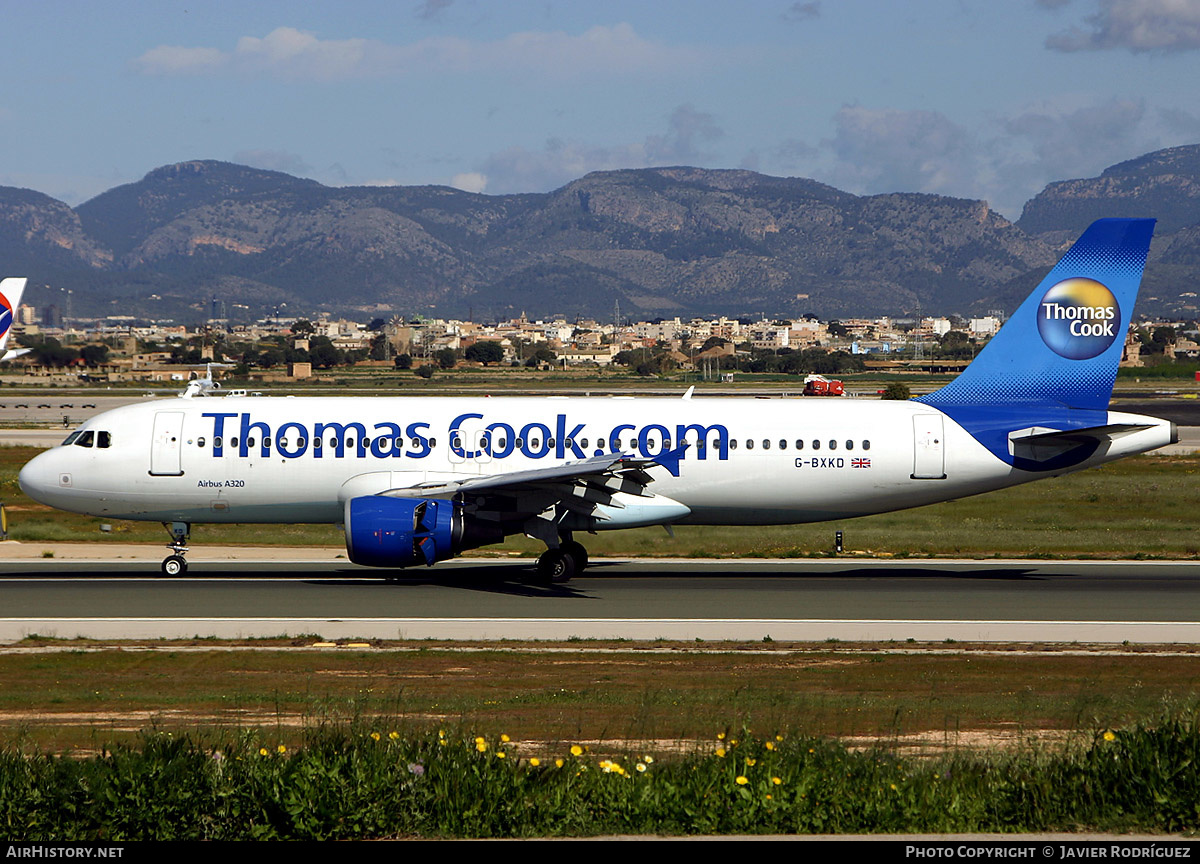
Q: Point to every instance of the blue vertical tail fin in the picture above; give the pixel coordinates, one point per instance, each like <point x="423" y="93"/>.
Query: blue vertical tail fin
<point x="1062" y="346"/>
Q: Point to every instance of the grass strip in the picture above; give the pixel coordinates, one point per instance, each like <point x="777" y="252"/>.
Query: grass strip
<point x="360" y="782"/>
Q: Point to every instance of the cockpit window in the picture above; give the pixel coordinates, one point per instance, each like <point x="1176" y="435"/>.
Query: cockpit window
<point x="86" y="439"/>
<point x="103" y="439"/>
<point x="71" y="438"/>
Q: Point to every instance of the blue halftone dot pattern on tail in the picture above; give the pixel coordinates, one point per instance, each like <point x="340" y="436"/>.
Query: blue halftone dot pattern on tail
<point x="1027" y="376"/>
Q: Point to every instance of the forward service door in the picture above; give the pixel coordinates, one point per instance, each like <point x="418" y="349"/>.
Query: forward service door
<point x="166" y="444"/>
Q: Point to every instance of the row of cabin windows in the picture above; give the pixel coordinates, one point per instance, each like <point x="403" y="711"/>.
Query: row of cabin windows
<point x="534" y="443"/>
<point x="90" y="438"/>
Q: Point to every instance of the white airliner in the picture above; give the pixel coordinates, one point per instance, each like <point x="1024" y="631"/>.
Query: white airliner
<point x="11" y="290"/>
<point x="418" y="480"/>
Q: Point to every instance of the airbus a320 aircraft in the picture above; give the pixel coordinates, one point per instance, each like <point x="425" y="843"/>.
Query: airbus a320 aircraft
<point x="418" y="480"/>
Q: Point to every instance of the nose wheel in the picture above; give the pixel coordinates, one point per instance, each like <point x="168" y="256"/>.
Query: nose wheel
<point x="175" y="564"/>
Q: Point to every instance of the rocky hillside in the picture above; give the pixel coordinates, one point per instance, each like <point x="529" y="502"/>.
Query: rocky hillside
<point x="660" y="241"/>
<point x="1164" y="184"/>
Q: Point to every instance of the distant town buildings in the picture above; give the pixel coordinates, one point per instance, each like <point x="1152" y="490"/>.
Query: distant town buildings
<point x="687" y="343"/>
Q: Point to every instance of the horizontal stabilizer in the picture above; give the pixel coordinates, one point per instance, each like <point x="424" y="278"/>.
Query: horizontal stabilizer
<point x="1040" y="444"/>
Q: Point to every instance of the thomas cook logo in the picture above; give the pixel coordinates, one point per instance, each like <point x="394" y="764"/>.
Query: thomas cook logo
<point x="1078" y="318"/>
<point x="6" y="315"/>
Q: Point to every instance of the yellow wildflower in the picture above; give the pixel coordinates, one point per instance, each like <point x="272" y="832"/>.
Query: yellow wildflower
<point x="770" y="745"/>
<point x="262" y="751"/>
<point x="558" y="763"/>
<point x="281" y="749"/>
<point x="393" y="735"/>
<point x="721" y="752"/>
<point x="535" y="762"/>
<point x="500" y="754"/>
<point x="374" y="736"/>
<point x="776" y="780"/>
<point x="751" y="762"/>
<point x="576" y="750"/>
<point x="505" y="738"/>
<point x="741" y="781"/>
<point x="481" y="746"/>
<point x="1109" y="736"/>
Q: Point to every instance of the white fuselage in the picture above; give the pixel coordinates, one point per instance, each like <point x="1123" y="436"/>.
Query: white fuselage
<point x="764" y="461"/>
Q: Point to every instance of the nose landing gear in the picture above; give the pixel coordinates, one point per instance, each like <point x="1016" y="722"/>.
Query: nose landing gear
<point x="175" y="564"/>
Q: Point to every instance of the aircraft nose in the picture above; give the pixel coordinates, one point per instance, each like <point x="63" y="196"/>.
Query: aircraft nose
<point x="40" y="477"/>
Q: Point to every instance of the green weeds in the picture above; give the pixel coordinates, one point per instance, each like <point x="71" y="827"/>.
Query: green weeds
<point x="358" y="782"/>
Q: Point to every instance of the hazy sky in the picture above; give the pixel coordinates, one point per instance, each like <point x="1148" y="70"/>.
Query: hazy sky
<point x="975" y="98"/>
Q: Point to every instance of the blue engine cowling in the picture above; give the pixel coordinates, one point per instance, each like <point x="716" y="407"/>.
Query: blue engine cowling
<point x="398" y="532"/>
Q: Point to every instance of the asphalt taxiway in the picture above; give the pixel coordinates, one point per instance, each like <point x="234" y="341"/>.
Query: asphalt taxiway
<point x="793" y="600"/>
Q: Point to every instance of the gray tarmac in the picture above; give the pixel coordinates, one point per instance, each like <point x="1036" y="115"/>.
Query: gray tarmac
<point x="782" y="600"/>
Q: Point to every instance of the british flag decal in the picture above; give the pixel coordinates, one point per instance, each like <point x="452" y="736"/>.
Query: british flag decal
<point x="860" y="463"/>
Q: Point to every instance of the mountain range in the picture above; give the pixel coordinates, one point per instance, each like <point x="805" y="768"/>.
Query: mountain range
<point x="657" y="242"/>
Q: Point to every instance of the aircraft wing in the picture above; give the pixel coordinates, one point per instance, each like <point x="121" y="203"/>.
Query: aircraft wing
<point x="596" y="487"/>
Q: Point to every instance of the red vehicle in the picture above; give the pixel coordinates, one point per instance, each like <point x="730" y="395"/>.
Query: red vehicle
<point x="818" y="385"/>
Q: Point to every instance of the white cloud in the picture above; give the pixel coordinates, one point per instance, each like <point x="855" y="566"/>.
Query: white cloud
<point x="1079" y="142"/>
<point x="1160" y="26"/>
<point x="890" y="150"/>
<point x="274" y="160"/>
<point x="178" y="60"/>
<point x="470" y="181"/>
<point x="431" y="10"/>
<point x="289" y="53"/>
<point x="803" y="11"/>
<point x="559" y="162"/>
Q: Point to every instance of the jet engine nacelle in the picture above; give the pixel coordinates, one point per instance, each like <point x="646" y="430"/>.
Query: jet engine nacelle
<point x="399" y="532"/>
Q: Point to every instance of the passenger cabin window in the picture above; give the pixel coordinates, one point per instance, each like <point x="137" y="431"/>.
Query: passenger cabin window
<point x="217" y="442"/>
<point x="732" y="443"/>
<point x="782" y="444"/>
<point x="832" y="444"/>
<point x="86" y="439"/>
<point x="749" y="443"/>
<point x="766" y="443"/>
<point x="866" y="445"/>
<point x="816" y="444"/>
<point x="849" y="444"/>
<point x="199" y="442"/>
<point x="799" y="443"/>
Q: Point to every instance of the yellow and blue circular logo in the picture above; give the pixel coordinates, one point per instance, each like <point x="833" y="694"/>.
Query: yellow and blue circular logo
<point x="1078" y="318"/>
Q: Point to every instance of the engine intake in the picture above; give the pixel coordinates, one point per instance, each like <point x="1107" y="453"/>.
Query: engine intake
<point x="399" y="532"/>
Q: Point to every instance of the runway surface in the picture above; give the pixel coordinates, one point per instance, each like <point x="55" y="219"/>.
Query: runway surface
<point x="801" y="600"/>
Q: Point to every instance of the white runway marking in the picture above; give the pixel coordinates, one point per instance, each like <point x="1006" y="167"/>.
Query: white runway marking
<point x="558" y="629"/>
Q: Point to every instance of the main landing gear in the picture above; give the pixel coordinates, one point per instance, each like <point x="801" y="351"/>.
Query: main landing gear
<point x="175" y="564"/>
<point x="559" y="563"/>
